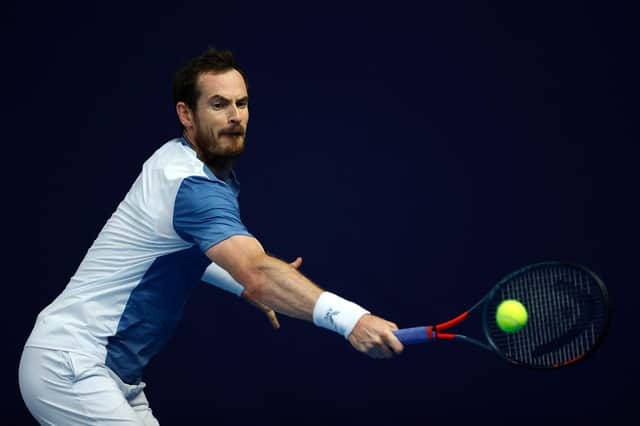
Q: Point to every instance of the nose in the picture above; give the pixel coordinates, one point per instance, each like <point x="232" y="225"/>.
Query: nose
<point x="234" y="114"/>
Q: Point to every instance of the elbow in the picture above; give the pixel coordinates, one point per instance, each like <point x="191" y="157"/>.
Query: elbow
<point x="255" y="282"/>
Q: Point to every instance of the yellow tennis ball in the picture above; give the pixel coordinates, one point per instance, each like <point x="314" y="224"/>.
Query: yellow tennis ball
<point x="511" y="316"/>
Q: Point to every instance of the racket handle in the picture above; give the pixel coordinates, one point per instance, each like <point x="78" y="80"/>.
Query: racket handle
<point x="413" y="335"/>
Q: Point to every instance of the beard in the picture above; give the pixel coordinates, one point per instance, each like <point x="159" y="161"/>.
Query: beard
<point x="225" y="144"/>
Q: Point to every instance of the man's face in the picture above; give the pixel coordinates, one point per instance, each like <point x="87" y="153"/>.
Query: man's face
<point x="221" y="115"/>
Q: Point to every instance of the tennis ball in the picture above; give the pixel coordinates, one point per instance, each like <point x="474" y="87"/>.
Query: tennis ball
<point x="511" y="316"/>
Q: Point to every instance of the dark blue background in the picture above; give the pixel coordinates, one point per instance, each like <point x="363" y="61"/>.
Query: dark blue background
<point x="412" y="155"/>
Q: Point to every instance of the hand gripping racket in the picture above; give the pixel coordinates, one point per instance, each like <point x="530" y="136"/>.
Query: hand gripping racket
<point x="568" y="316"/>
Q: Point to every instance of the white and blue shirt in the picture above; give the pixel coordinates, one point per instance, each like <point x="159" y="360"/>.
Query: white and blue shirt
<point x="128" y="294"/>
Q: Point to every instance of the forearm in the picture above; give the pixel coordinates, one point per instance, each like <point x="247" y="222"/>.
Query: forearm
<point x="281" y="287"/>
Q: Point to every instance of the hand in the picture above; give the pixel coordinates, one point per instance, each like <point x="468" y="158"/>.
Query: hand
<point x="374" y="336"/>
<point x="270" y="313"/>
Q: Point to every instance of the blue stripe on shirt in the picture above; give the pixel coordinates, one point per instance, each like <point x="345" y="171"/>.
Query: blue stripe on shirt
<point x="152" y="312"/>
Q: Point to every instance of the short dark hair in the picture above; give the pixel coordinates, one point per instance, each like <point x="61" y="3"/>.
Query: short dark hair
<point x="185" y="82"/>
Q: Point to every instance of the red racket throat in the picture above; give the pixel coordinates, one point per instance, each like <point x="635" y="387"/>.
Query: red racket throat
<point x="445" y="325"/>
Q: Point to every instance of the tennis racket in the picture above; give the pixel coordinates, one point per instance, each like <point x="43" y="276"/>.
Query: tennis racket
<point x="568" y="316"/>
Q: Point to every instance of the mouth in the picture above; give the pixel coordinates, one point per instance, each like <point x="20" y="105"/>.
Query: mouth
<point x="233" y="132"/>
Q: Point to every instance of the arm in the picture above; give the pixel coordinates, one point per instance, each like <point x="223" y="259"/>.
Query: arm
<point x="267" y="280"/>
<point x="274" y="283"/>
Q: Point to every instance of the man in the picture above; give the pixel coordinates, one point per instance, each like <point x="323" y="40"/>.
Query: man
<point x="178" y="224"/>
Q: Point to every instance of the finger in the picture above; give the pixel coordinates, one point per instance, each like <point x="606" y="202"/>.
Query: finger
<point x="393" y="343"/>
<point x="381" y="348"/>
<point x="296" y="263"/>
<point x="270" y="313"/>
<point x="273" y="319"/>
<point x="393" y="325"/>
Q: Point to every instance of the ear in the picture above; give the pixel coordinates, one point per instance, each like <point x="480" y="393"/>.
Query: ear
<point x="185" y="115"/>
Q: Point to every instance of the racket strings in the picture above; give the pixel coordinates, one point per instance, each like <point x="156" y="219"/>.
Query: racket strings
<point x="567" y="314"/>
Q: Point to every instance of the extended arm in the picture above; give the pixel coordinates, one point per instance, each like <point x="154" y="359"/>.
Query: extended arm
<point x="276" y="284"/>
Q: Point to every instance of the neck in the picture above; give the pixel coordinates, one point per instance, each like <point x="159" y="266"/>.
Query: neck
<point x="220" y="166"/>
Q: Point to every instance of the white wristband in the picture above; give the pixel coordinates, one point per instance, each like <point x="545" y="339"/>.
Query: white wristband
<point x="337" y="314"/>
<point x="219" y="277"/>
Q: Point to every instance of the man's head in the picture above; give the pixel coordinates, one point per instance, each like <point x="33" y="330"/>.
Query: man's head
<point x="211" y="98"/>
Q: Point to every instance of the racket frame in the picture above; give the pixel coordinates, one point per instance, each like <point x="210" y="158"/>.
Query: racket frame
<point x="485" y="314"/>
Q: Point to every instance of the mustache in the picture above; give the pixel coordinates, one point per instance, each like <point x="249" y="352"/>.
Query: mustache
<point x="233" y="130"/>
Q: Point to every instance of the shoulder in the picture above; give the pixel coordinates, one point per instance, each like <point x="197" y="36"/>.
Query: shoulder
<point x="174" y="161"/>
<point x="203" y="192"/>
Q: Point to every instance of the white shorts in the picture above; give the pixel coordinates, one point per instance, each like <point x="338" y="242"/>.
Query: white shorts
<point x="66" y="388"/>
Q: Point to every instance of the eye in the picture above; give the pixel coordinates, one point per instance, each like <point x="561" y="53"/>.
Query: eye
<point x="218" y="103"/>
<point x="242" y="104"/>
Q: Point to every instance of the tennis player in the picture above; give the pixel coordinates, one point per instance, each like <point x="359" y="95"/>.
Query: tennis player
<point x="178" y="225"/>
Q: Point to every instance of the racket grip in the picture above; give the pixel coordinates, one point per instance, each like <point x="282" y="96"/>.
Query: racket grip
<point x="413" y="335"/>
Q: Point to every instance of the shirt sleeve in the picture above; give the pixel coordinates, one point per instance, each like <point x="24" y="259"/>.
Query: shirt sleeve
<point x="206" y="212"/>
